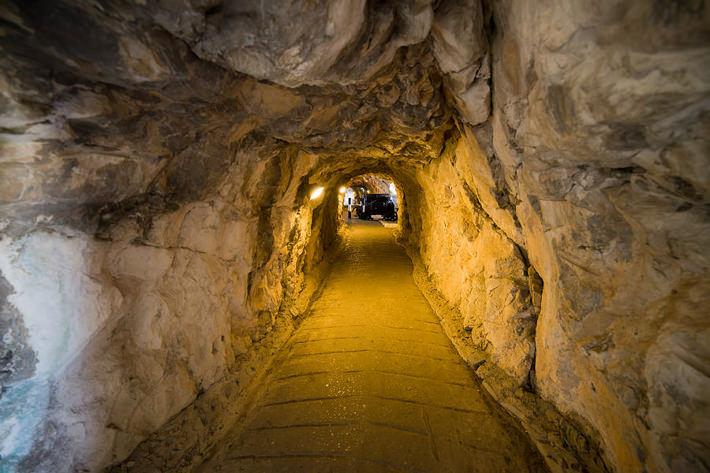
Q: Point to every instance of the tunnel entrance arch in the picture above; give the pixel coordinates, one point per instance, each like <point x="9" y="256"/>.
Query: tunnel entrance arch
<point x="328" y="208"/>
<point x="374" y="195"/>
<point x="369" y="197"/>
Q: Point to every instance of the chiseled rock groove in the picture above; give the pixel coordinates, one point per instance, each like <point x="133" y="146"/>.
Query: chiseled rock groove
<point x="158" y="244"/>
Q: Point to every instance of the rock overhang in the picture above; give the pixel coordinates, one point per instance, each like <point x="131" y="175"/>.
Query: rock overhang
<point x="175" y="134"/>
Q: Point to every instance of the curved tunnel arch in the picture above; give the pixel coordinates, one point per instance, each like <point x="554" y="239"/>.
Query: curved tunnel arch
<point x="408" y="191"/>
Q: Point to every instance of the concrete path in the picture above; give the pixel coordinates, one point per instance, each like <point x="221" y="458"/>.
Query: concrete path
<point x="370" y="383"/>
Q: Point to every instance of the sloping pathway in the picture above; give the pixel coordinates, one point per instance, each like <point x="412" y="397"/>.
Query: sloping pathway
<point x="370" y="383"/>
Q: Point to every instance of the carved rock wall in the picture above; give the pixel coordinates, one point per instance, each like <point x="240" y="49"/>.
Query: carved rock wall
<point x="157" y="312"/>
<point x="597" y="128"/>
<point x="156" y="161"/>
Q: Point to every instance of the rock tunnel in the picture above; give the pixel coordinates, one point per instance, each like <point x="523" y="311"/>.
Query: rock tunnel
<point x="166" y="277"/>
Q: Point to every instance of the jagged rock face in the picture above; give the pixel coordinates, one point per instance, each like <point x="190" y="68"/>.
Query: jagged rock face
<point x="18" y="360"/>
<point x="503" y="322"/>
<point x="136" y="111"/>
<point x="158" y="312"/>
<point x="370" y="183"/>
<point x="157" y="159"/>
<point x="590" y="132"/>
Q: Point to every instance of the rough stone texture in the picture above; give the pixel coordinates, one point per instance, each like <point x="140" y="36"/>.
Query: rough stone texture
<point x="492" y="286"/>
<point x="316" y="43"/>
<point x="175" y="307"/>
<point x="597" y="126"/>
<point x="17" y="359"/>
<point x="156" y="158"/>
<point x="566" y="445"/>
<point x="372" y="184"/>
<point x="460" y="47"/>
<point x="364" y="385"/>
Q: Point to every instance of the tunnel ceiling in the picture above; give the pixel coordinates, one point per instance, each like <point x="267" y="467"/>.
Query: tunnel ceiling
<point x="372" y="183"/>
<point x="160" y="99"/>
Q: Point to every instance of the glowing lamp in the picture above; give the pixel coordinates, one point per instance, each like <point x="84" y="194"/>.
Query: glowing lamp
<point x="342" y="190"/>
<point x="317" y="192"/>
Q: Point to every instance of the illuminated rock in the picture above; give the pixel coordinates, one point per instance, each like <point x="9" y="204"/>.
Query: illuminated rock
<point x="159" y="244"/>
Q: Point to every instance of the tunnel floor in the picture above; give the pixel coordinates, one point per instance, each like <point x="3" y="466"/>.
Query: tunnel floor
<point x="369" y="382"/>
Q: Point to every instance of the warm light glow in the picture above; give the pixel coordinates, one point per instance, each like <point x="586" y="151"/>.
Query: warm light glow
<point x="317" y="192"/>
<point x="342" y="190"/>
<point x="349" y="196"/>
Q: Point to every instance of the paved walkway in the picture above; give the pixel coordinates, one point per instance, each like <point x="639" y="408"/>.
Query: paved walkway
<point x="370" y="383"/>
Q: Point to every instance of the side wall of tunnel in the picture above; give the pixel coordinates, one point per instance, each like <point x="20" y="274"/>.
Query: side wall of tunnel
<point x="471" y="261"/>
<point x="159" y="314"/>
<point x="540" y="285"/>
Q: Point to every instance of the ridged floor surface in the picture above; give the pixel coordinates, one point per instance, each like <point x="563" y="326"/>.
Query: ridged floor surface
<point x="370" y="383"/>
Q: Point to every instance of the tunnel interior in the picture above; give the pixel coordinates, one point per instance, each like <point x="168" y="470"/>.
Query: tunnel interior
<point x="172" y="224"/>
<point x="369" y="196"/>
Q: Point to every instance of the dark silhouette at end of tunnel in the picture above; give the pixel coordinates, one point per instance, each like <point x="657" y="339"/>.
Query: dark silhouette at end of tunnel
<point x="369" y="197"/>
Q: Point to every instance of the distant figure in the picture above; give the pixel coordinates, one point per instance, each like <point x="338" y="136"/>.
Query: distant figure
<point x="350" y="211"/>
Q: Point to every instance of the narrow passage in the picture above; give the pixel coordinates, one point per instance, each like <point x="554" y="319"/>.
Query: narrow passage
<point x="370" y="383"/>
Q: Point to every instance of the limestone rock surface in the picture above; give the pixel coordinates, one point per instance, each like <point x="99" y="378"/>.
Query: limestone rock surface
<point x="158" y="243"/>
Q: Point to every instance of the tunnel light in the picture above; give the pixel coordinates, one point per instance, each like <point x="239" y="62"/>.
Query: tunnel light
<point x="342" y="190"/>
<point x="317" y="192"/>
